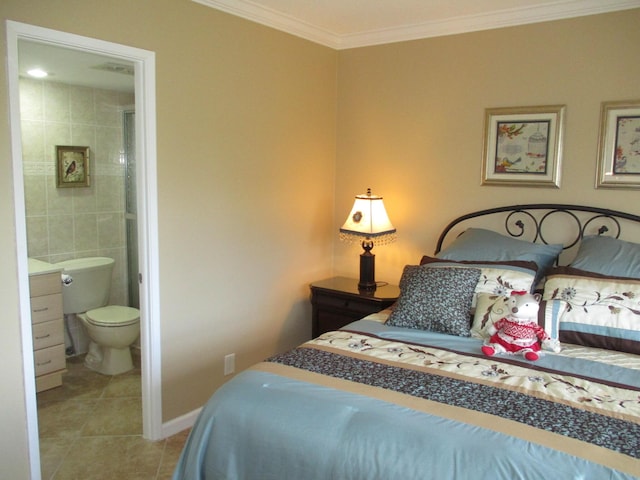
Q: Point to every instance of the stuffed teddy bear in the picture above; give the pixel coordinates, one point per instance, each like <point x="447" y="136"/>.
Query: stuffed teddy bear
<point x="519" y="332"/>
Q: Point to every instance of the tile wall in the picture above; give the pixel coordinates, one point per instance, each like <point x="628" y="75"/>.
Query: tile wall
<point x="66" y="223"/>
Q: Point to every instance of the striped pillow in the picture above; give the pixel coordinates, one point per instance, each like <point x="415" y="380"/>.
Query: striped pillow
<point x="594" y="310"/>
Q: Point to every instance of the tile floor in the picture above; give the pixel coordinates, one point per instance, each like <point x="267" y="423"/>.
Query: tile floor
<point x="91" y="429"/>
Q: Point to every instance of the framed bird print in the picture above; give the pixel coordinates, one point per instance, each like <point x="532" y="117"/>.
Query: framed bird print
<point x="72" y="166"/>
<point x="523" y="146"/>
<point x="619" y="145"/>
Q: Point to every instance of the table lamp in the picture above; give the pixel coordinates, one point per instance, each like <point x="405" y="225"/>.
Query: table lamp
<point x="369" y="223"/>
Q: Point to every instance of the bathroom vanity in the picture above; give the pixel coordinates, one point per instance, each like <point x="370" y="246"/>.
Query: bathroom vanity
<point x="47" y="320"/>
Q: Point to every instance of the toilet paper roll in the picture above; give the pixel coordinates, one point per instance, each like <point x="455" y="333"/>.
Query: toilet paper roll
<point x="66" y="279"/>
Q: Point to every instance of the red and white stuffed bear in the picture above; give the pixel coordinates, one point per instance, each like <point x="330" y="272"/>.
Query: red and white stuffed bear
<point x="519" y="332"/>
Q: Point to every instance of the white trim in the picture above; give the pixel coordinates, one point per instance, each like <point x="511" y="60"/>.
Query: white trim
<point x="449" y="26"/>
<point x="487" y="21"/>
<point x="274" y="19"/>
<point x="28" y="369"/>
<point x="147" y="200"/>
<point x="148" y="222"/>
<point x="181" y="423"/>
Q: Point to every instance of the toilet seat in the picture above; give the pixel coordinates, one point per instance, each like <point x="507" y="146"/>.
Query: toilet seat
<point x="113" y="316"/>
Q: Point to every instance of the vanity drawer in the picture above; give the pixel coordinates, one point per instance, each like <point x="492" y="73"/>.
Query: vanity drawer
<point x="46" y="307"/>
<point x="45" y="284"/>
<point x="49" y="333"/>
<point x="49" y="359"/>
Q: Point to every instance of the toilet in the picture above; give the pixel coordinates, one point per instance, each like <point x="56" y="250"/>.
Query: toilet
<point x="111" y="328"/>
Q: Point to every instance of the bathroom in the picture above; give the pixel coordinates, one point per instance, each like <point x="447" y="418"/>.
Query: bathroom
<point x="64" y="223"/>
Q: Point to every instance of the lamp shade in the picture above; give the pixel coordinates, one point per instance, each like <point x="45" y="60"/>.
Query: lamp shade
<point x="368" y="220"/>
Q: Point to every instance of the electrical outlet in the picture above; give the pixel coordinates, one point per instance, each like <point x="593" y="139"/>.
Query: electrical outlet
<point x="229" y="363"/>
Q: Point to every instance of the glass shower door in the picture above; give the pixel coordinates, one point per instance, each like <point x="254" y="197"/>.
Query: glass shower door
<point x="131" y="213"/>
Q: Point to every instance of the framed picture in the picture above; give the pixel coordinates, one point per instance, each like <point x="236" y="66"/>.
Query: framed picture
<point x="523" y="146"/>
<point x="619" y="145"/>
<point x="72" y="166"/>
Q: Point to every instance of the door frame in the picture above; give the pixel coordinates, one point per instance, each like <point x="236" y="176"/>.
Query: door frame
<point x="145" y="104"/>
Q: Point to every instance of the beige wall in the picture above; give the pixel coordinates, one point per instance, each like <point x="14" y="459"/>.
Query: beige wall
<point x="410" y="122"/>
<point x="246" y="150"/>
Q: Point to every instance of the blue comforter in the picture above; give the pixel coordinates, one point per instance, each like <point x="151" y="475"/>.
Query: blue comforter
<point x="378" y="402"/>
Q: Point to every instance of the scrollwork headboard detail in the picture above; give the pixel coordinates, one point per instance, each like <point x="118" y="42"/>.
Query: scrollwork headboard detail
<point x="529" y="222"/>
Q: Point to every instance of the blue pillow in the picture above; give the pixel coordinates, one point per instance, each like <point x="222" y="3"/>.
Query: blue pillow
<point x="608" y="256"/>
<point x="481" y="244"/>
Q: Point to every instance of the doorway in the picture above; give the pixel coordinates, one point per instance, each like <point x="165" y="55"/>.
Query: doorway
<point x="146" y="202"/>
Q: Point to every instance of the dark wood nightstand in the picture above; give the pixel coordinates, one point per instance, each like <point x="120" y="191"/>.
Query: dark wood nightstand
<point x="337" y="301"/>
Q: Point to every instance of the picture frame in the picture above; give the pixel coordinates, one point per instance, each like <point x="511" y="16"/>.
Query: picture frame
<point x="72" y="166"/>
<point x="523" y="146"/>
<point x="619" y="145"/>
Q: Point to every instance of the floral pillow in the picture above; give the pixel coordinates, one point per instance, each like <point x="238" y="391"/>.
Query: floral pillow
<point x="489" y="309"/>
<point x="435" y="299"/>
<point x="497" y="278"/>
<point x="594" y="310"/>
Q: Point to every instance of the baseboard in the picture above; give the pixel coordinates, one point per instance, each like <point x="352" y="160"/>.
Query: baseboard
<point x="181" y="423"/>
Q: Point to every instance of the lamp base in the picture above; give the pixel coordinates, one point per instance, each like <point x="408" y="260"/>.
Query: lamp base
<point x="367" y="271"/>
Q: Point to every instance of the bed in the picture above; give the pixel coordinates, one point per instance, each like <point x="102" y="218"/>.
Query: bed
<point x="406" y="393"/>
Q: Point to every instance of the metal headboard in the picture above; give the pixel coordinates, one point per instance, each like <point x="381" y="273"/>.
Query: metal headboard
<point x="530" y="219"/>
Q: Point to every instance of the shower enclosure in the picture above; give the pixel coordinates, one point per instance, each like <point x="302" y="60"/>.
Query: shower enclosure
<point x="131" y="214"/>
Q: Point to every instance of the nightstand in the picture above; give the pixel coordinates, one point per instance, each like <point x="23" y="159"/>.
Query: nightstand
<point x="337" y="301"/>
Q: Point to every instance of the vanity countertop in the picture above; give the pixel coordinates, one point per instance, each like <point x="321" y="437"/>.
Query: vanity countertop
<point x="38" y="267"/>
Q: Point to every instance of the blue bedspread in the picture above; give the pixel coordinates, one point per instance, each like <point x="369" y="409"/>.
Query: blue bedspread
<point x="328" y="411"/>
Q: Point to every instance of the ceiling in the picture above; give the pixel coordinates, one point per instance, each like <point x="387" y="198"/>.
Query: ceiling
<point x="342" y="24"/>
<point x="75" y="67"/>
<point x="339" y="24"/>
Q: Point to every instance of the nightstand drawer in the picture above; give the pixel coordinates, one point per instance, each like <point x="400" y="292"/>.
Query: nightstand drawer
<point x="329" y="321"/>
<point x="338" y="301"/>
<point x="353" y="305"/>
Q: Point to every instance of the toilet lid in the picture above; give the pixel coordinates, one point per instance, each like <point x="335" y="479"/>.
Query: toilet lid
<point x="113" y="316"/>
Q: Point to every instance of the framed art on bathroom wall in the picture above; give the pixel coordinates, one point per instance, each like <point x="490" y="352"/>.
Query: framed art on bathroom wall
<point x="72" y="166"/>
<point x="523" y="146"/>
<point x="619" y="145"/>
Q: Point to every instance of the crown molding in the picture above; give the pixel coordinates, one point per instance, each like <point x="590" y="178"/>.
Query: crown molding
<point x="455" y="25"/>
<point x="274" y="19"/>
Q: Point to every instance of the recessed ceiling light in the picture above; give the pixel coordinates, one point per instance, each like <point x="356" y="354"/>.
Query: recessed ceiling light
<point x="37" y="73"/>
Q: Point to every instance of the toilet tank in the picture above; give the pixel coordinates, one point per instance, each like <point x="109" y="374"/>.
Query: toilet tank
<point x="91" y="283"/>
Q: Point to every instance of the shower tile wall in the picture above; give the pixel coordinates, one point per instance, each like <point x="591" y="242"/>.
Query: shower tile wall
<point x="66" y="223"/>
